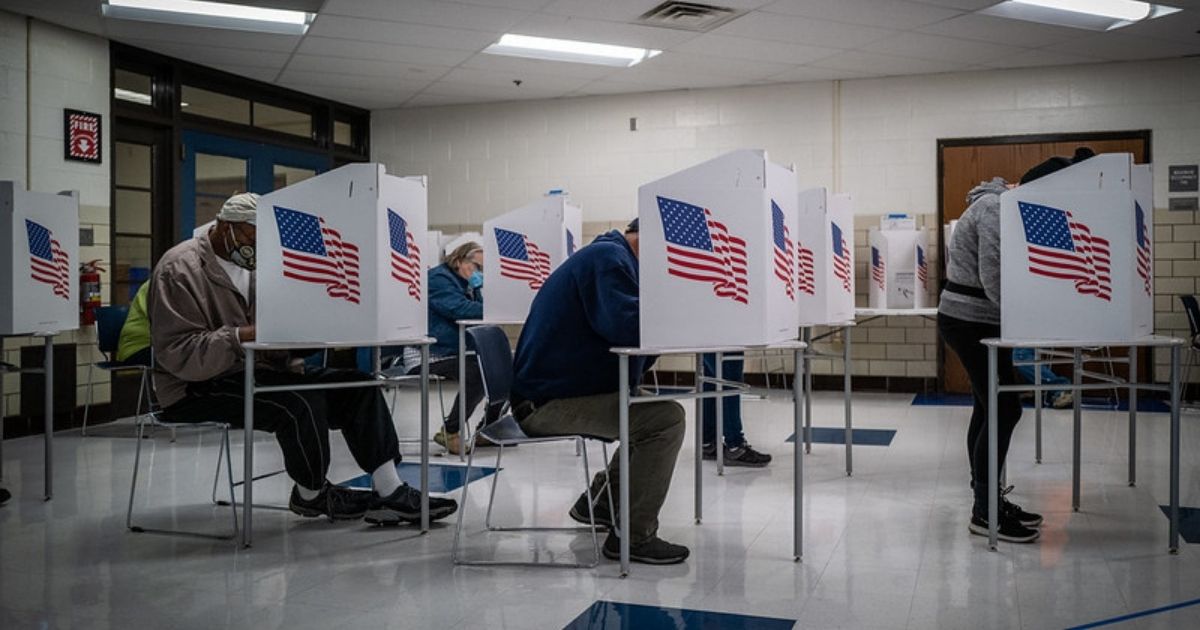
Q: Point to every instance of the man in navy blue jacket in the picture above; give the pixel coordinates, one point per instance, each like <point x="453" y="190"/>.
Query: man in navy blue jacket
<point x="567" y="383"/>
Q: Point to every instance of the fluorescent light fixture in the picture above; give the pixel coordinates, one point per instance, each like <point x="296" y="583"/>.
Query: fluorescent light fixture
<point x="132" y="96"/>
<point x="211" y="15"/>
<point x="569" y="50"/>
<point x="1096" y="15"/>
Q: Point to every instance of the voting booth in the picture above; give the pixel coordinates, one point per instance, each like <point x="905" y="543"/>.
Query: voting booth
<point x="717" y="254"/>
<point x="825" y="258"/>
<point x="433" y="248"/>
<point x="898" y="269"/>
<point x="340" y="258"/>
<point x="1076" y="253"/>
<point x="520" y="250"/>
<point x="39" y="260"/>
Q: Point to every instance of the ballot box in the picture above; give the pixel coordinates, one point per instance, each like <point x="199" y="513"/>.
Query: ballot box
<point x="898" y="270"/>
<point x="825" y="258"/>
<point x="39" y="260"/>
<point x="521" y="248"/>
<point x="1076" y="252"/>
<point x="718" y="263"/>
<point x="340" y="258"/>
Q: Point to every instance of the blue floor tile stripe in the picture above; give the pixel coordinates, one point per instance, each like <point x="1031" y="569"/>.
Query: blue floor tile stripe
<point x="1189" y="522"/>
<point x="1148" y="405"/>
<point x="619" y="616"/>
<point x="863" y="437"/>
<point x="442" y="477"/>
<point x="1136" y="615"/>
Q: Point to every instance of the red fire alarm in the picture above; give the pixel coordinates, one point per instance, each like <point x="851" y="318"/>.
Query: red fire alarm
<point x="81" y="136"/>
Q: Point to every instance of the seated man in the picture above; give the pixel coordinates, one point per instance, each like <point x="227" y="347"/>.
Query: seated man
<point x="738" y="451"/>
<point x="566" y="382"/>
<point x="201" y="311"/>
<point x="1057" y="398"/>
<point x="134" y="345"/>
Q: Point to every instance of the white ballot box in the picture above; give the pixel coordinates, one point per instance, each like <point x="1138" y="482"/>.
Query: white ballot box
<point x="39" y="260"/>
<point x="947" y="236"/>
<point x="898" y="274"/>
<point x="825" y="258"/>
<point x="520" y="250"/>
<point x="716" y="243"/>
<point x="340" y="258"/>
<point x="1076" y="253"/>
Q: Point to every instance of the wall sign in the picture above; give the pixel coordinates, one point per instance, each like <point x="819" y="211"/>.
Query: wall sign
<point x="1184" y="203"/>
<point x="81" y="136"/>
<point x="1183" y="178"/>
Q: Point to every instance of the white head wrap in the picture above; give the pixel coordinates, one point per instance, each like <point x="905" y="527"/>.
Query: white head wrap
<point x="240" y="208"/>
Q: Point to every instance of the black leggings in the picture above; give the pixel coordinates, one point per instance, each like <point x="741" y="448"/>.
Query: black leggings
<point x="963" y="337"/>
<point x="448" y="368"/>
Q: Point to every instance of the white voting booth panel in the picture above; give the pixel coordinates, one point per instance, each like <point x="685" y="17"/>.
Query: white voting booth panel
<point x="717" y="254"/>
<point x="340" y="258"/>
<point x="520" y="250"/>
<point x="825" y="258"/>
<point x="432" y="249"/>
<point x="39" y="260"/>
<point x="898" y="271"/>
<point x="1076" y="246"/>
<point x="947" y="236"/>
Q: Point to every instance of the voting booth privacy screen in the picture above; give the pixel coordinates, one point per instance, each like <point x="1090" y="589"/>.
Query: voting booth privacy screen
<point x="717" y="262"/>
<point x="520" y="250"/>
<point x="825" y="258"/>
<point x="39" y="260"/>
<point x="340" y="258"/>
<point x="1077" y="261"/>
<point x="898" y="268"/>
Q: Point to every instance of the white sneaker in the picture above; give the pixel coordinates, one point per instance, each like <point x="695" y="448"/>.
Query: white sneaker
<point x="1063" y="400"/>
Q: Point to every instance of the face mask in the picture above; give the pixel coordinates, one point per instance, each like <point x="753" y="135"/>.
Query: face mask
<point x="476" y="279"/>
<point x="240" y="255"/>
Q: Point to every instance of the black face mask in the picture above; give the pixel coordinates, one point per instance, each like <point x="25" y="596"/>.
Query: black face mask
<point x="243" y="256"/>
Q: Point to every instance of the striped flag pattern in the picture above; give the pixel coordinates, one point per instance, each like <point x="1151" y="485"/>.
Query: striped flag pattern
<point x="1144" y="255"/>
<point x="878" y="272"/>
<point x="521" y="259"/>
<point x="48" y="261"/>
<point x="1062" y="248"/>
<point x="406" y="255"/>
<point x="784" y="270"/>
<point x="804" y="258"/>
<point x="843" y="269"/>
<point x="700" y="248"/>
<point x="922" y="267"/>
<point x="313" y="252"/>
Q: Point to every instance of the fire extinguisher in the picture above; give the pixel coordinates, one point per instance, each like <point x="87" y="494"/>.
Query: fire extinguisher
<point x="89" y="291"/>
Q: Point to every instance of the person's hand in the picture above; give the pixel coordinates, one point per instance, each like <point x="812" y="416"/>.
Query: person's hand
<point x="246" y="333"/>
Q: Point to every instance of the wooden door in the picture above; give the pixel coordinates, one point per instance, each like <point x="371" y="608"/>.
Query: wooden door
<point x="964" y="163"/>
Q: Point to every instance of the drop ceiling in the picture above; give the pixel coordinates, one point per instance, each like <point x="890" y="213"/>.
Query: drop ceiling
<point x="409" y="53"/>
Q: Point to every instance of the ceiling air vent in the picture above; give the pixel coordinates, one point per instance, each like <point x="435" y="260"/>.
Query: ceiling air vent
<point x="688" y="16"/>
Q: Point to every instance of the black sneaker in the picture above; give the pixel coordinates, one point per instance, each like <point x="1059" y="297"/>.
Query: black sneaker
<point x="4" y="496"/>
<point x="1028" y="519"/>
<point x="653" y="551"/>
<point x="339" y="504"/>
<point x="404" y="506"/>
<point x="744" y="455"/>
<point x="1010" y="530"/>
<point x="709" y="452"/>
<point x="604" y="516"/>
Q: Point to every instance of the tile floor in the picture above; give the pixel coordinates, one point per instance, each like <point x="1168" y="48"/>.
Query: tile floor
<point x="887" y="548"/>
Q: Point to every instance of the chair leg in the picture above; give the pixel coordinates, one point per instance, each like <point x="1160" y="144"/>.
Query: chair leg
<point x="587" y="489"/>
<point x="487" y="521"/>
<point x="462" y="508"/>
<point x="217" y="472"/>
<point x="87" y="405"/>
<point x="137" y="460"/>
<point x="228" y="475"/>
<point x="612" y="511"/>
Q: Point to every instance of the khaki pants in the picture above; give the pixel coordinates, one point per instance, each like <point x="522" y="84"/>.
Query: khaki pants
<point x="655" y="435"/>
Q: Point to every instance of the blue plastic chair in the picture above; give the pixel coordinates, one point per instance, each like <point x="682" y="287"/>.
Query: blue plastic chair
<point x="109" y="322"/>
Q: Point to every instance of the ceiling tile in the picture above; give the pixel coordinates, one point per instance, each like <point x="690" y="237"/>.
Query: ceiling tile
<point x="517" y="67"/>
<point x="448" y="14"/>
<point x="629" y="10"/>
<point x="805" y="31"/>
<point x="216" y="57"/>
<point x="1119" y="46"/>
<point x="939" y="48"/>
<point x="357" y="29"/>
<point x="1180" y="27"/>
<point x="267" y="75"/>
<point x="1033" y="58"/>
<point x="380" y="70"/>
<point x="519" y="5"/>
<point x="896" y="14"/>
<point x="415" y="55"/>
<point x="331" y="80"/>
<point x="1000" y="30"/>
<point x="800" y="74"/>
<point x="754" y="49"/>
<point x="883" y="64"/>
<point x="198" y="37"/>
<point x="605" y="86"/>
<point x="689" y="64"/>
<point x="965" y="5"/>
<point x="464" y="77"/>
<point x="563" y="27"/>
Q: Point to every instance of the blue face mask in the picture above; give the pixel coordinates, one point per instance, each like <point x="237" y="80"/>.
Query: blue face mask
<point x="476" y="279"/>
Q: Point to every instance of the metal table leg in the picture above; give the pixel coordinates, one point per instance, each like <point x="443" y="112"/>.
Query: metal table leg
<point x="48" y="427"/>
<point x="248" y="449"/>
<point x="807" y="386"/>
<point x="847" y="367"/>
<point x="699" y="438"/>
<point x="993" y="447"/>
<point x="425" y="438"/>
<point x="1175" y="412"/>
<point x="623" y="459"/>
<point x="1077" y="409"/>
<point x="798" y="373"/>
<point x="1133" y="361"/>
<point x="462" y="390"/>
<point x="719" y="438"/>
<point x="3" y="410"/>
<point x="1037" y="407"/>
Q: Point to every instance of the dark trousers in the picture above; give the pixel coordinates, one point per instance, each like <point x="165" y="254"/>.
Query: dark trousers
<point x="301" y="420"/>
<point x="448" y="368"/>
<point x="963" y="337"/>
<point x="731" y="405"/>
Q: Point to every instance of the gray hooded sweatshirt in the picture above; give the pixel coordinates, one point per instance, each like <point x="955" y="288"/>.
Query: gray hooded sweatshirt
<point x="975" y="257"/>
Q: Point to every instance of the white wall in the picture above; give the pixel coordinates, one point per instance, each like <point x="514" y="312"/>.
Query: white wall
<point x="485" y="159"/>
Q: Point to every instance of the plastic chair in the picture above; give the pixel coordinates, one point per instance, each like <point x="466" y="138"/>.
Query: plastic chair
<point x="496" y="367"/>
<point x="109" y="321"/>
<point x="1192" y="308"/>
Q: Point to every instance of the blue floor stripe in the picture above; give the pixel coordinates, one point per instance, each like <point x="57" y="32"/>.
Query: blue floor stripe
<point x="1148" y="405"/>
<point x="1189" y="522"/>
<point x="618" y="616"/>
<point x="442" y="477"/>
<point x="863" y="437"/>
<point x="1144" y="613"/>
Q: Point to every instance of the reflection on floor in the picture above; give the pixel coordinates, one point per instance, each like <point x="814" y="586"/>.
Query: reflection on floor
<point x="861" y="437"/>
<point x="886" y="548"/>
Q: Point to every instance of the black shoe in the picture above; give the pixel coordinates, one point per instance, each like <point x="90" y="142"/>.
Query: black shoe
<point x="4" y="496"/>
<point x="1028" y="519"/>
<point x="404" y="506"/>
<point x="339" y="504"/>
<point x="709" y="452"/>
<point x="744" y="455"/>
<point x="604" y="516"/>
<point x="653" y="551"/>
<point x="1010" y="530"/>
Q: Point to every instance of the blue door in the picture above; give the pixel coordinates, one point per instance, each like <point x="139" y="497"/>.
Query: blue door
<point x="217" y="167"/>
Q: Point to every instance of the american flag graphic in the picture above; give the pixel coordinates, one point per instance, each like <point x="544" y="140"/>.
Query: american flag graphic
<point x="1143" y="250"/>
<point x="570" y="243"/>
<point x="922" y="267"/>
<point x="406" y="255"/>
<point x="807" y="275"/>
<point x="878" y="272"/>
<point x="842" y="267"/>
<point x="521" y="259"/>
<point x="702" y="249"/>
<point x="48" y="261"/>
<point x="1062" y="248"/>
<point x="784" y="270"/>
<point x="315" y="253"/>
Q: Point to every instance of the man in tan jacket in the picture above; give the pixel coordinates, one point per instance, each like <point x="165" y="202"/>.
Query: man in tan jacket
<point x="201" y="306"/>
